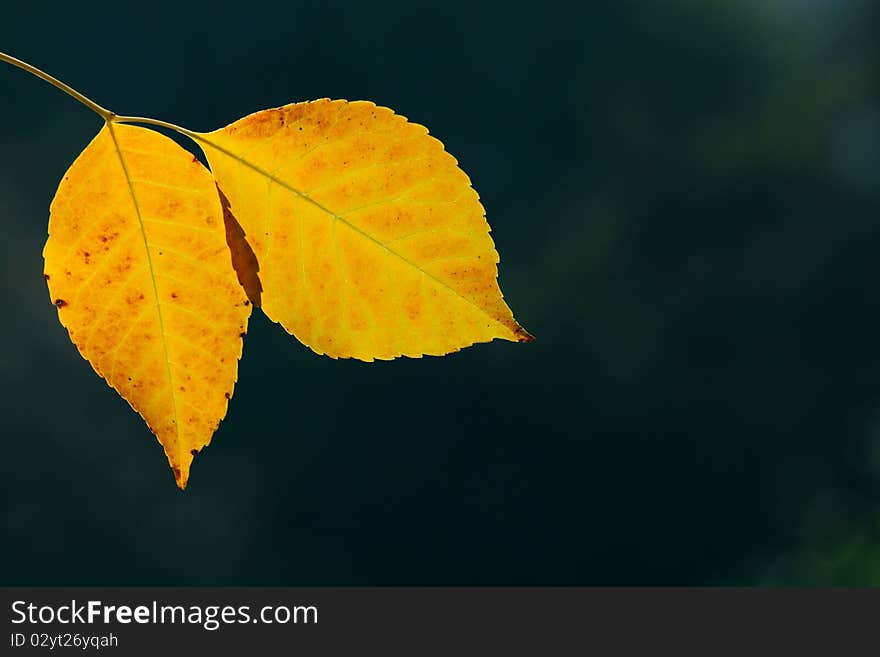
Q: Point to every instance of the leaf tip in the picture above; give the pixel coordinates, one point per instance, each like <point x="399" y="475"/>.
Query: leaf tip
<point x="522" y="335"/>
<point x="180" y="467"/>
<point x="181" y="476"/>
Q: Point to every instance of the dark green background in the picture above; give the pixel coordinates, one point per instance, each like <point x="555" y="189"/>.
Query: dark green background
<point x="686" y="198"/>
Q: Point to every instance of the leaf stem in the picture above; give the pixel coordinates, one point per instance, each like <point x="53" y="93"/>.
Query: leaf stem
<point x="70" y="91"/>
<point x="195" y="136"/>
<point x="103" y="112"/>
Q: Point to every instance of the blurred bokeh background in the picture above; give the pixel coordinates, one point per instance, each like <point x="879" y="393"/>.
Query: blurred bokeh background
<point x="686" y="199"/>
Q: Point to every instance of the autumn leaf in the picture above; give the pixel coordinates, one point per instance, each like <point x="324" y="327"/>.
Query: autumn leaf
<point x="347" y="224"/>
<point x="371" y="241"/>
<point x="138" y="265"/>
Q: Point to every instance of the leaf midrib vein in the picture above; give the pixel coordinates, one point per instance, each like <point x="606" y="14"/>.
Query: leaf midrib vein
<point x="143" y="230"/>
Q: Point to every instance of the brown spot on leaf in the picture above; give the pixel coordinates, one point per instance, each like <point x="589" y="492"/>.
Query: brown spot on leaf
<point x="194" y="452"/>
<point x="242" y="334"/>
<point x="46" y="276"/>
<point x="180" y="484"/>
<point x="228" y="396"/>
<point x="60" y="303"/>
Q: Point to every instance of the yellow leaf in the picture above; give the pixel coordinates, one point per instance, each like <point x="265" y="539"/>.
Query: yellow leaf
<point x="138" y="266"/>
<point x="371" y="241"/>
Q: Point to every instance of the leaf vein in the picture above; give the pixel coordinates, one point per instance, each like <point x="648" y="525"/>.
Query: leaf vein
<point x="152" y="274"/>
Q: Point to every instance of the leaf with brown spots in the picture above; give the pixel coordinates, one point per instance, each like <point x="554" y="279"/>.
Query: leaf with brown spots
<point x="139" y="268"/>
<point x="370" y="240"/>
<point x="343" y="221"/>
